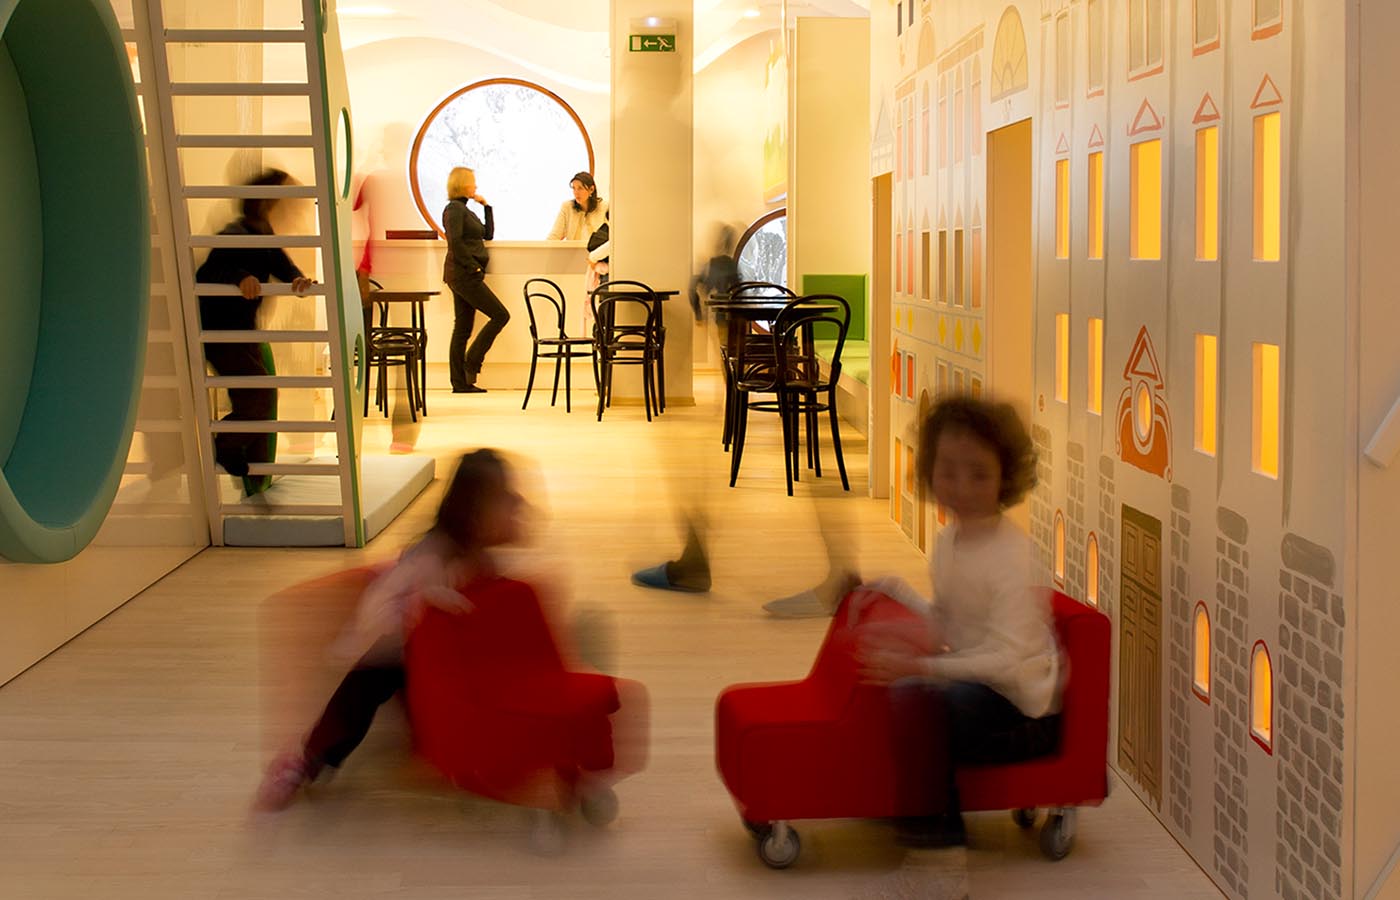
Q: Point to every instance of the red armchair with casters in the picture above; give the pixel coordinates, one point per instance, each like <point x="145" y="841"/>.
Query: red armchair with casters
<point x="821" y="747"/>
<point x="494" y="707"/>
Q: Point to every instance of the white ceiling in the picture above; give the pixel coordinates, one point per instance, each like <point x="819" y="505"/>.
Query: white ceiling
<point x="515" y="25"/>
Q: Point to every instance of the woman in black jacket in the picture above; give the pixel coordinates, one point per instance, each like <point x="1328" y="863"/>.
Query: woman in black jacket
<point x="464" y="271"/>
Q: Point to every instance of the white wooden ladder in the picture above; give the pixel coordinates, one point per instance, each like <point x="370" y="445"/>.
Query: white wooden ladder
<point x="324" y="90"/>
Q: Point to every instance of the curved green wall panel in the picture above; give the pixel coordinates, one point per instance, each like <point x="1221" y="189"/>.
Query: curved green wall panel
<point x="75" y="252"/>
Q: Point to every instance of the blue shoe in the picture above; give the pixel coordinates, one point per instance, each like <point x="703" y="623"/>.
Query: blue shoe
<point x="659" y="577"/>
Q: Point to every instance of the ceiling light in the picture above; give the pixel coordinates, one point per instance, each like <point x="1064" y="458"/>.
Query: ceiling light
<point x="752" y="14"/>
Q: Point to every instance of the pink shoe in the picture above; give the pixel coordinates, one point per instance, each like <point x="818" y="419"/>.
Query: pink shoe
<point x="284" y="777"/>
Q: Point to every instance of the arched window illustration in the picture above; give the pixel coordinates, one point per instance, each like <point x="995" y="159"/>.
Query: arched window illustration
<point x="1261" y="697"/>
<point x="1200" y="677"/>
<point x="1091" y="570"/>
<point x="1059" y="548"/>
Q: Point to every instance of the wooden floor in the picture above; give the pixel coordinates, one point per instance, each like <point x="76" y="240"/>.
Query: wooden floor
<point x="127" y="759"/>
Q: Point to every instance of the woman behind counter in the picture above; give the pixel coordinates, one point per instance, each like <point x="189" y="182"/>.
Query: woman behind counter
<point x="581" y="216"/>
<point x="464" y="270"/>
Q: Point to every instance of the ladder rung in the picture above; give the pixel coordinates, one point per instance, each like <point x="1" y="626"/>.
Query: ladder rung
<point x="244" y="140"/>
<point x="269" y="289"/>
<point x="258" y="241"/>
<point x="269" y="426"/>
<point x="250" y="191"/>
<point x="268" y="381"/>
<point x="240" y="89"/>
<point x="235" y="36"/>
<point x="263" y="337"/>
<point x="294" y="469"/>
<point x="272" y="509"/>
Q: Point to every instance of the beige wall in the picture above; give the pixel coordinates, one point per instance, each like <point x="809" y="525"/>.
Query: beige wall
<point x="829" y="208"/>
<point x="1376" y="367"/>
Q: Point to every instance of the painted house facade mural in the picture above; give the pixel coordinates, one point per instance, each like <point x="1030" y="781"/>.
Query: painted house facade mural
<point x="1162" y="382"/>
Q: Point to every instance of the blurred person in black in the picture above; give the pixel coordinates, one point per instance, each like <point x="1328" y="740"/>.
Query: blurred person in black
<point x="248" y="268"/>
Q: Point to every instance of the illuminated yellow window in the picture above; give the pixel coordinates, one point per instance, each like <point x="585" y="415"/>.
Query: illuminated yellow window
<point x="926" y="266"/>
<point x="976" y="268"/>
<point x="1062" y="357"/>
<point x="1096" y="205"/>
<point x="943" y="266"/>
<point x="1200" y="679"/>
<point x="1261" y="697"/>
<point x="898" y="507"/>
<point x="1062" y="208"/>
<point x="1266" y="409"/>
<point x="1207" y="391"/>
<point x="1059" y="547"/>
<point x="1268" y="187"/>
<point x="1091" y="570"/>
<point x="1095" y="382"/>
<point x="959" y="276"/>
<point x="1145" y="216"/>
<point x="1208" y="194"/>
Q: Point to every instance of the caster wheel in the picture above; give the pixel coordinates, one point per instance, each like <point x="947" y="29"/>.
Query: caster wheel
<point x="779" y="848"/>
<point x="599" y="808"/>
<point x="1057" y="835"/>
<point x="1024" y="818"/>
<point x="546" y="834"/>
<point x="759" y="830"/>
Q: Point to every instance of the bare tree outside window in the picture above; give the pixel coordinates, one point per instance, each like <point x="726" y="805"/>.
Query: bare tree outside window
<point x="524" y="143"/>
<point x="763" y="256"/>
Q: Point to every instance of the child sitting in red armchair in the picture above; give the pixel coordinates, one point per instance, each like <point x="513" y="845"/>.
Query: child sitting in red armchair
<point x="978" y="680"/>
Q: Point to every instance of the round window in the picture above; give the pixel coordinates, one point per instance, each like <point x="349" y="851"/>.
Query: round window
<point x="524" y="143"/>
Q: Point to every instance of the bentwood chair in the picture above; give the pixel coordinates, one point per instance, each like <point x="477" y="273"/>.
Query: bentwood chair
<point x="800" y="390"/>
<point x="627" y="332"/>
<point x="555" y="343"/>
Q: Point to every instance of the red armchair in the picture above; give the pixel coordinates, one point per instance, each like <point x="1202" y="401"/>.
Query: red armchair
<point x="495" y="709"/>
<point x="820" y="747"/>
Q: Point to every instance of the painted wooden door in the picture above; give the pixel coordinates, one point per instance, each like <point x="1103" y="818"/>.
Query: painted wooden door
<point x="1140" y="656"/>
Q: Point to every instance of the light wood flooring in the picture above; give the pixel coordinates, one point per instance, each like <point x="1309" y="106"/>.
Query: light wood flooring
<point x="127" y="758"/>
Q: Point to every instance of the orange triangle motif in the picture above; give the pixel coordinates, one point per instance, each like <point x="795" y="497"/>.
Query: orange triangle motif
<point x="1095" y="138"/>
<point x="1063" y="145"/>
<point x="1142" y="362"/>
<point x="1145" y="120"/>
<point x="1207" y="111"/>
<point x="1267" y="95"/>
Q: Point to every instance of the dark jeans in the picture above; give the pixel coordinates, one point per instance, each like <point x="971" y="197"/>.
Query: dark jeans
<point x="468" y="296"/>
<point x="348" y="715"/>
<point x="939" y="727"/>
<point x="235" y="451"/>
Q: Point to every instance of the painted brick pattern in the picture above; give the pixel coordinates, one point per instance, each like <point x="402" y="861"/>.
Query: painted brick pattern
<point x="1108" y="535"/>
<point x="1181" y="636"/>
<point x="1230" y="701"/>
<point x="1041" y="499"/>
<point x="1310" y="714"/>
<point x="1076" y="533"/>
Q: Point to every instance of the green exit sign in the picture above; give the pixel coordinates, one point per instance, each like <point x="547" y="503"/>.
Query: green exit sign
<point x="652" y="43"/>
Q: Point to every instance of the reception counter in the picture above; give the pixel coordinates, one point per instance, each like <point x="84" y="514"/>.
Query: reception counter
<point x="416" y="265"/>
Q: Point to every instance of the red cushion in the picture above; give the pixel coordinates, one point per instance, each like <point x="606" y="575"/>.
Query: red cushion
<point x="821" y="747"/>
<point x="492" y="704"/>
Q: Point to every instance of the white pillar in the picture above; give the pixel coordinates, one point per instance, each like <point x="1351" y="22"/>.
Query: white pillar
<point x="652" y="147"/>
